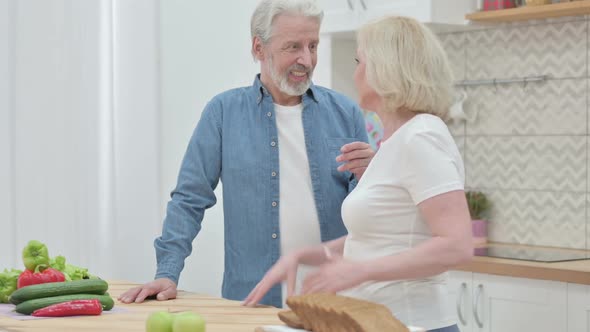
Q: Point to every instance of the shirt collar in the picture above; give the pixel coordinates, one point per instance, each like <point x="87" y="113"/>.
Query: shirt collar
<point x="262" y="92"/>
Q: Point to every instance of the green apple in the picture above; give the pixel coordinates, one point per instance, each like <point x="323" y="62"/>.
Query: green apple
<point x="188" y="321"/>
<point x="160" y="321"/>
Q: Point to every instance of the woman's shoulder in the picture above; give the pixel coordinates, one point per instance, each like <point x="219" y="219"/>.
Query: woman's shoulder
<point x="426" y="125"/>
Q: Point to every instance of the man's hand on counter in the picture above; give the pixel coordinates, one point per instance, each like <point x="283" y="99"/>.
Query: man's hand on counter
<point x="162" y="289"/>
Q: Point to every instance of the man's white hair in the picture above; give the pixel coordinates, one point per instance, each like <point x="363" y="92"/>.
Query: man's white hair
<point x="267" y="10"/>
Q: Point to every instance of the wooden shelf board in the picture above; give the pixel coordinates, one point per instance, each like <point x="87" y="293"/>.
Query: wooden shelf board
<point x="574" y="8"/>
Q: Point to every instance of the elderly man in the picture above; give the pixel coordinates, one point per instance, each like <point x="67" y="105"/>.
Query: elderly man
<point x="287" y="152"/>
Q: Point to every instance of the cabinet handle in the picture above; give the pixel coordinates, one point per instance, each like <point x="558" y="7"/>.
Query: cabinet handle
<point x="475" y="305"/>
<point x="363" y="4"/>
<point x="350" y="5"/>
<point x="462" y="291"/>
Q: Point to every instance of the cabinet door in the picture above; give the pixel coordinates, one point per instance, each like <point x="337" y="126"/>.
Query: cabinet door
<point x="578" y="308"/>
<point x="505" y="304"/>
<point x="339" y="15"/>
<point x="460" y="287"/>
<point x="432" y="12"/>
<point x="418" y="9"/>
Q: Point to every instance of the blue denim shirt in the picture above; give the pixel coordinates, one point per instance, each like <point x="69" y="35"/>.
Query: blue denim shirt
<point x="236" y="140"/>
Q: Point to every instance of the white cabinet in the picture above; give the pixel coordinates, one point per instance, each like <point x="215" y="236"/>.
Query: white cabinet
<point x="461" y="288"/>
<point x="578" y="304"/>
<point x="348" y="15"/>
<point x="490" y="303"/>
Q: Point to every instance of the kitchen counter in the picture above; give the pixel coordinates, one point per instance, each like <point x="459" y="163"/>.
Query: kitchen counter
<point x="577" y="272"/>
<point x="229" y="316"/>
<point x="221" y="315"/>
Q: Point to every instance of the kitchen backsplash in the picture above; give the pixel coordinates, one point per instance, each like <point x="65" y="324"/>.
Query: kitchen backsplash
<point x="526" y="145"/>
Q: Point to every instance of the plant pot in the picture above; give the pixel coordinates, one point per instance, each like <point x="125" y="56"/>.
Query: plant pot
<point x="480" y="231"/>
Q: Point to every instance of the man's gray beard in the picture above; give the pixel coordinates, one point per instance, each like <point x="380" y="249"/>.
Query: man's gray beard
<point x="282" y="82"/>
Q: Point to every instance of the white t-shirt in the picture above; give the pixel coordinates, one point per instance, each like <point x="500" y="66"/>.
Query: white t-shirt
<point x="420" y="160"/>
<point x="298" y="216"/>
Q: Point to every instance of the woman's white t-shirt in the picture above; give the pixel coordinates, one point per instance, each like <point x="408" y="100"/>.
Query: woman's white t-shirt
<point x="419" y="161"/>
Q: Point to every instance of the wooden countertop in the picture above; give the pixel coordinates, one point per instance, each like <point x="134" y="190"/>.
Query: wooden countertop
<point x="221" y="315"/>
<point x="229" y="316"/>
<point x="577" y="272"/>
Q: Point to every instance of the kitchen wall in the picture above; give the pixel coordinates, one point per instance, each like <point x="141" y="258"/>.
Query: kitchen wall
<point x="7" y="245"/>
<point x="79" y="159"/>
<point x="526" y="146"/>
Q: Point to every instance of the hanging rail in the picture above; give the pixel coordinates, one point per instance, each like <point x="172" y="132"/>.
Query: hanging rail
<point x="496" y="81"/>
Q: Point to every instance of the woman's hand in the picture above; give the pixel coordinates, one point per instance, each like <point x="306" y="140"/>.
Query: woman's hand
<point x="337" y="275"/>
<point x="284" y="269"/>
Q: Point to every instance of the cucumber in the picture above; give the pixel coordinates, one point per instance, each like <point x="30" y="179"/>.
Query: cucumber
<point x="84" y="286"/>
<point x="29" y="306"/>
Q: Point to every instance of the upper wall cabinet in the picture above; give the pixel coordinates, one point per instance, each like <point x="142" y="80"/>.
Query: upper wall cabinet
<point x="349" y="15"/>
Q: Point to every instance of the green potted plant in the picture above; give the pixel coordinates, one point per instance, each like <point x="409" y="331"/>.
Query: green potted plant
<point x="479" y="207"/>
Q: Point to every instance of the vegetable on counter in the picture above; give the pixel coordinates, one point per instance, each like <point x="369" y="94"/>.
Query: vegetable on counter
<point x="40" y="268"/>
<point x="70" y="308"/>
<point x="28" y="277"/>
<point x="86" y="286"/>
<point x="28" y="307"/>
<point x="8" y="283"/>
<point x="70" y="271"/>
<point x="34" y="297"/>
<point x="35" y="253"/>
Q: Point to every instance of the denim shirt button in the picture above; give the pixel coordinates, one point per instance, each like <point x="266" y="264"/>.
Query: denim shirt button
<point x="274" y="235"/>
<point x="269" y="114"/>
<point x="273" y="143"/>
<point x="274" y="204"/>
<point x="273" y="174"/>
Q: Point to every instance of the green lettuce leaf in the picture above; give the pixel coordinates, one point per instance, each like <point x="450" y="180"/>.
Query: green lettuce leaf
<point x="8" y="280"/>
<point x="58" y="263"/>
<point x="71" y="272"/>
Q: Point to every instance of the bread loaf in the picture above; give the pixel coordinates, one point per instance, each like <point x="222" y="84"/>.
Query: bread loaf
<point x="336" y="313"/>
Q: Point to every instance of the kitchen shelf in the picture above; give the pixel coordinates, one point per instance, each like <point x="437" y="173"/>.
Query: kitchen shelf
<point x="574" y="8"/>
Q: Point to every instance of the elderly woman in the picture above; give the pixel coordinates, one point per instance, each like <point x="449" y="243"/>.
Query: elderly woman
<point x="407" y="219"/>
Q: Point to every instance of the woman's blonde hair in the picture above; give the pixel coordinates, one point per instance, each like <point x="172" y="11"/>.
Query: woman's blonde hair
<point x="406" y="65"/>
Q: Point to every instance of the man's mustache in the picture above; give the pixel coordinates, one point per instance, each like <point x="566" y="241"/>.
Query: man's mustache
<point x="299" y="67"/>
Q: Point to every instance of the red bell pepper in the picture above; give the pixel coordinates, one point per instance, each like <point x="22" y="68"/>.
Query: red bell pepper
<point x="70" y="308"/>
<point x="32" y="278"/>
